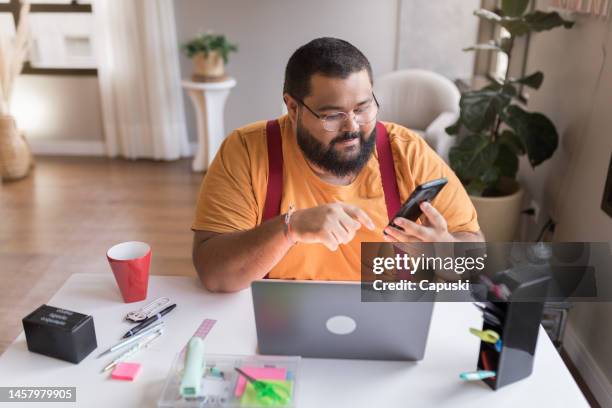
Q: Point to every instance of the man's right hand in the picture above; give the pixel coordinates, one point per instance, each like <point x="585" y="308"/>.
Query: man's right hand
<point x="328" y="224"/>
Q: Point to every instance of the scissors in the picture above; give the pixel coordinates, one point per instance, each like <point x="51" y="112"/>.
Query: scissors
<point x="263" y="389"/>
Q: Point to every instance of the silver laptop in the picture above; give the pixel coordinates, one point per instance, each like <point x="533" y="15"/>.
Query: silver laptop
<point x="328" y="320"/>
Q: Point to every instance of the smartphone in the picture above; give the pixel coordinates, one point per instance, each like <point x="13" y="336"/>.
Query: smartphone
<point x="411" y="209"/>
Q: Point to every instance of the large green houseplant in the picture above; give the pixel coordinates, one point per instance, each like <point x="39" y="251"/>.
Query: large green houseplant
<point x="495" y="129"/>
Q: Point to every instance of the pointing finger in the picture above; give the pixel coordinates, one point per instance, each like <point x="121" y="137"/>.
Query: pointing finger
<point x="359" y="214"/>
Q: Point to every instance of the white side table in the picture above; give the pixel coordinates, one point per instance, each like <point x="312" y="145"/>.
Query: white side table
<point x="208" y="100"/>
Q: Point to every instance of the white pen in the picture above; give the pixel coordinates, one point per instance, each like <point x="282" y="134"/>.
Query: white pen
<point x="139" y="346"/>
<point x="134" y="338"/>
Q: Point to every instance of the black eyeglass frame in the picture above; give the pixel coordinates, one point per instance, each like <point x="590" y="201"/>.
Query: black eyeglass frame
<point x="323" y="117"/>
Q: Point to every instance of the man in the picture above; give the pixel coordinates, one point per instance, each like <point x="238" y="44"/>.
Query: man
<point x="330" y="176"/>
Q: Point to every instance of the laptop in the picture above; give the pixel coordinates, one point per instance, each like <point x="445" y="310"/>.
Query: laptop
<point x="329" y="320"/>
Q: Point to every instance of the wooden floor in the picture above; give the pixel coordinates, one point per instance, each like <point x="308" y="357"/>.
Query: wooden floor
<point x="63" y="218"/>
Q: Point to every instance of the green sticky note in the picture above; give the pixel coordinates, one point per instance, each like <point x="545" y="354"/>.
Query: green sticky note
<point x="283" y="388"/>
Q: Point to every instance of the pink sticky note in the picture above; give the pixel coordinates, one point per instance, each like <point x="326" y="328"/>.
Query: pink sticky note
<point x="126" y="371"/>
<point x="259" y="373"/>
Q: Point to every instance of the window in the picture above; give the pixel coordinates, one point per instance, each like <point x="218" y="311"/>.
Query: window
<point x="499" y="61"/>
<point x="494" y="65"/>
<point x="62" y="35"/>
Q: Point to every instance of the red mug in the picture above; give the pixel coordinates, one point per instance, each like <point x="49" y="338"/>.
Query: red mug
<point x="130" y="264"/>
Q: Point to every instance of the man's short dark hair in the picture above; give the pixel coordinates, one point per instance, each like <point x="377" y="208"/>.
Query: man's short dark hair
<point x="327" y="56"/>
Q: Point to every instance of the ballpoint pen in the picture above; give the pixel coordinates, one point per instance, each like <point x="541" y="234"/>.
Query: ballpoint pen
<point x="139" y="346"/>
<point x="133" y="339"/>
<point x="491" y="318"/>
<point x="149" y="321"/>
<point x="489" y="307"/>
<point x="498" y="289"/>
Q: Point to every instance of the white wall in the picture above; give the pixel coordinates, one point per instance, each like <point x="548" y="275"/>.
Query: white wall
<point x="414" y="33"/>
<point x="570" y="185"/>
<point x="433" y="34"/>
<point x="577" y="96"/>
<point x="268" y="31"/>
<point x="58" y="108"/>
<point x="67" y="109"/>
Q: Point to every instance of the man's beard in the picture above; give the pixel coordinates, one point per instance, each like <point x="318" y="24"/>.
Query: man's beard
<point x="328" y="158"/>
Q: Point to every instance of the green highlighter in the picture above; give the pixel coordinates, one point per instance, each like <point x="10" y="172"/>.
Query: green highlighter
<point x="194" y="369"/>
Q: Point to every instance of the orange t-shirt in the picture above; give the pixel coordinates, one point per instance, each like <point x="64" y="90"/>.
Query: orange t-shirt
<point x="233" y="195"/>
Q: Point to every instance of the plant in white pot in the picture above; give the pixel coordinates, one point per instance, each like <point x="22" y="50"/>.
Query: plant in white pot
<point x="495" y="130"/>
<point x="209" y="54"/>
<point x="15" y="156"/>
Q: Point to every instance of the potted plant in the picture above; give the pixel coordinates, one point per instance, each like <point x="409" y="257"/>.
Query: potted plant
<point x="495" y="130"/>
<point x="15" y="155"/>
<point x="209" y="54"/>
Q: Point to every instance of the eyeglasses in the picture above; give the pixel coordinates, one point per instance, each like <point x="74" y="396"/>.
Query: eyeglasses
<point x="334" y="121"/>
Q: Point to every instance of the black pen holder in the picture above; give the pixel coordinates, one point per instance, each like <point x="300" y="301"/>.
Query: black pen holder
<point x="517" y="322"/>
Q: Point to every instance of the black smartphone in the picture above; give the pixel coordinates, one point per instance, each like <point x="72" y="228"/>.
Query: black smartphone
<point x="411" y="209"/>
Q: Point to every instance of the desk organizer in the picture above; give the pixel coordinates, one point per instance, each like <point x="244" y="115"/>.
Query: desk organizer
<point x="518" y="328"/>
<point x="223" y="387"/>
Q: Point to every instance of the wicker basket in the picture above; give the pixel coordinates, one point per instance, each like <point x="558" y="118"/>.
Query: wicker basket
<point x="15" y="155"/>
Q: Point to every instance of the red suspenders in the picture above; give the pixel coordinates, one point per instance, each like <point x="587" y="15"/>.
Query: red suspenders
<point x="275" y="173"/>
<point x="387" y="171"/>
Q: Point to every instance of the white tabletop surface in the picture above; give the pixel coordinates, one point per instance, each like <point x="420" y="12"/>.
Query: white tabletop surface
<point x="323" y="383"/>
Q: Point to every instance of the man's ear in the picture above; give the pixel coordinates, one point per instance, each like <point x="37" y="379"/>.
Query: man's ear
<point x="292" y="107"/>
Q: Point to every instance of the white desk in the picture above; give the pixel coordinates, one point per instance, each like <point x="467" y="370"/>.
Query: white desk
<point x="324" y="383"/>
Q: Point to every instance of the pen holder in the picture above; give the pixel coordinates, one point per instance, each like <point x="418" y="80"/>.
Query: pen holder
<point x="518" y="329"/>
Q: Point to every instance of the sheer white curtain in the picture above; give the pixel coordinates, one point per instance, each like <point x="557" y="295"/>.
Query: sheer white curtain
<point x="138" y="72"/>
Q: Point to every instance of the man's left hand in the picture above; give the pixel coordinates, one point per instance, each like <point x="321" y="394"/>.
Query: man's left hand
<point x="433" y="229"/>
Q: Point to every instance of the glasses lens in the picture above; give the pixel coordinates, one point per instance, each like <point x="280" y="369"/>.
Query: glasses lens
<point x="334" y="122"/>
<point x="366" y="115"/>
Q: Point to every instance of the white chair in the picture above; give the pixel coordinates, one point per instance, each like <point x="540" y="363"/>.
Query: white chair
<point x="420" y="100"/>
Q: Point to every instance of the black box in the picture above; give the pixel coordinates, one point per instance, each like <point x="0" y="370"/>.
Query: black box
<point x="60" y="333"/>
